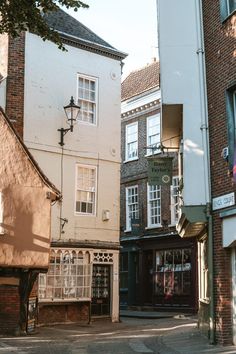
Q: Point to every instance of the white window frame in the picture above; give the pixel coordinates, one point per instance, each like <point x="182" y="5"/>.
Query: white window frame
<point x="149" y="135"/>
<point x="127" y="142"/>
<point x="90" y="167"/>
<point x="228" y="7"/>
<point x="149" y="208"/>
<point x="174" y="200"/>
<point x="69" y="277"/>
<point x="203" y="271"/>
<point x="94" y="102"/>
<point x="127" y="204"/>
<point x="225" y="10"/>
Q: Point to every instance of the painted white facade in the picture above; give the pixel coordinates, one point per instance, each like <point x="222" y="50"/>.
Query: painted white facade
<point x="182" y="83"/>
<point x="50" y="81"/>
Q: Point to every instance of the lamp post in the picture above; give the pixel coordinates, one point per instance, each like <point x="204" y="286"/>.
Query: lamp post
<point x="71" y="111"/>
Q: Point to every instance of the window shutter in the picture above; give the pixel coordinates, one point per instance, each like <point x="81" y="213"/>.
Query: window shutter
<point x="223" y="10"/>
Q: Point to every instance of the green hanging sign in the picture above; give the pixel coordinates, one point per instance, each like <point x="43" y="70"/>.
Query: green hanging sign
<point x="160" y="171"/>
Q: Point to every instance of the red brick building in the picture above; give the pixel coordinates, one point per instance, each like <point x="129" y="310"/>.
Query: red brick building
<point x="219" y="25"/>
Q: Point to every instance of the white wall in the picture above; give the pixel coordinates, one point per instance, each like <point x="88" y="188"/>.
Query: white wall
<point x="50" y="81"/>
<point x="181" y="83"/>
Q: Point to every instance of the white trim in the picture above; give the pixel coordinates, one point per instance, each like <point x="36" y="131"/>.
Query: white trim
<point x="134" y="159"/>
<point x="233" y="297"/>
<point x="158" y="116"/>
<point x="127" y="219"/>
<point x="91" y="167"/>
<point x="90" y="78"/>
<point x="173" y="205"/>
<point x="149" y="224"/>
<point x="126" y="141"/>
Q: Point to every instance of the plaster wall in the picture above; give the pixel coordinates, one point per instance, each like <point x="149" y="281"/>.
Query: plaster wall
<point x="50" y="81"/>
<point x="25" y="224"/>
<point x="181" y="78"/>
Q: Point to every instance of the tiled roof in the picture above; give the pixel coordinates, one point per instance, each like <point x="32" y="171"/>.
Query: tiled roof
<point x="63" y="22"/>
<point x="140" y="81"/>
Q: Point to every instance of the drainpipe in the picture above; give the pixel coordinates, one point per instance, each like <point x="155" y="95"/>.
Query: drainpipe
<point x="205" y="141"/>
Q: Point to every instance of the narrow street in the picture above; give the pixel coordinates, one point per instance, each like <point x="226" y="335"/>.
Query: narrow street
<point x="131" y="335"/>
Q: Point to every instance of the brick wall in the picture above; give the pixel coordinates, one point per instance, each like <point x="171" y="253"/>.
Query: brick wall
<point x="62" y="313"/>
<point x="15" y="82"/>
<point x="9" y="309"/>
<point x="221" y="74"/>
<point x="135" y="172"/>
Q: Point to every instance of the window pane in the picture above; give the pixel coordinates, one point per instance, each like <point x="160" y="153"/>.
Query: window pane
<point x="86" y="101"/>
<point x="86" y="189"/>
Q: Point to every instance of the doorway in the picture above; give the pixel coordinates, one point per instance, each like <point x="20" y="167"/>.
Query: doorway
<point x="101" y="290"/>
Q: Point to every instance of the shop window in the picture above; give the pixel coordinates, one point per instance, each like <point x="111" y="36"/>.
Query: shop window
<point x="124" y="270"/>
<point x="203" y="271"/>
<point x="173" y="273"/>
<point x="68" y="277"/>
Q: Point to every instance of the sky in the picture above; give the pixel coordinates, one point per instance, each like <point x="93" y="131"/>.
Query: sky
<point x="128" y="25"/>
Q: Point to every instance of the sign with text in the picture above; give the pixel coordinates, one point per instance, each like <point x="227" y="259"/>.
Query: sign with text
<point x="160" y="171"/>
<point x="136" y="227"/>
<point x="223" y="201"/>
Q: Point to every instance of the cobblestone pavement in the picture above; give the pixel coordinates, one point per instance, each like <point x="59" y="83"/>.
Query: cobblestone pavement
<point x="132" y="335"/>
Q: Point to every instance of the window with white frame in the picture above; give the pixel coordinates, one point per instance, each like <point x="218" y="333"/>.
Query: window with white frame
<point x="153" y="134"/>
<point x="203" y="270"/>
<point x="131" y="146"/>
<point x="132" y="209"/>
<point x="68" y="277"/>
<point x="174" y="202"/>
<point x="154" y="205"/>
<point x="87" y="98"/>
<point x="227" y="7"/>
<point x="86" y="190"/>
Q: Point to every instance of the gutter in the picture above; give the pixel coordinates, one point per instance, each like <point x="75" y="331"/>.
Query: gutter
<point x="205" y="141"/>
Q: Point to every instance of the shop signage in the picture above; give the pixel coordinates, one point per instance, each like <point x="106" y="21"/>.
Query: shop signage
<point x="223" y="201"/>
<point x="135" y="227"/>
<point x="32" y="313"/>
<point x="160" y="171"/>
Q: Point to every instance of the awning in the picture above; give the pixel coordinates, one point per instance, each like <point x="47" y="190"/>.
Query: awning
<point x="192" y="221"/>
<point x="171" y="125"/>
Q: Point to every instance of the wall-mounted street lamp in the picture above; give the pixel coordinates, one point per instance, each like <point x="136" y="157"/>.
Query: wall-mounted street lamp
<point x="72" y="112"/>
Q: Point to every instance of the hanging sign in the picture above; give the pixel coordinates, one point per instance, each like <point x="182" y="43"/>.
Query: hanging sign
<point x="160" y="171"/>
<point x="136" y="227"/>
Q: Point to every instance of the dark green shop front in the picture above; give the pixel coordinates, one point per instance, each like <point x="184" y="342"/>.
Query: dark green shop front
<point x="160" y="273"/>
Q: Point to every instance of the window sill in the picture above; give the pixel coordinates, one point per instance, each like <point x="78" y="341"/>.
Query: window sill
<point x="205" y="301"/>
<point x="127" y="231"/>
<point x="158" y="226"/>
<point x="150" y="155"/>
<point x="126" y="161"/>
<point x="84" y="214"/>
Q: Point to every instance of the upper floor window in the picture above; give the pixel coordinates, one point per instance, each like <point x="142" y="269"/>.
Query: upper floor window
<point x="132" y="210"/>
<point x="227" y="7"/>
<point x="154" y="205"/>
<point x="153" y="134"/>
<point x="131" y="147"/>
<point x="85" y="190"/>
<point x="87" y="98"/>
<point x="231" y="122"/>
<point x="174" y="203"/>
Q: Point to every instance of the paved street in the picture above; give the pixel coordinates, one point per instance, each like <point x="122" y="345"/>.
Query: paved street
<point x="132" y="335"/>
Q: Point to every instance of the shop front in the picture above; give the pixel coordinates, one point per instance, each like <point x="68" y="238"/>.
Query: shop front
<point x="164" y="277"/>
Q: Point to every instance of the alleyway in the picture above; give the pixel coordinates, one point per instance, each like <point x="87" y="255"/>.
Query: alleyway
<point x="132" y="335"/>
